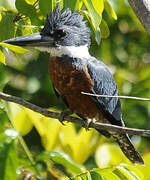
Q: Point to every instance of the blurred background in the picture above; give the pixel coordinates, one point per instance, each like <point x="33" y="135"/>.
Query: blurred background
<point x="126" y="51"/>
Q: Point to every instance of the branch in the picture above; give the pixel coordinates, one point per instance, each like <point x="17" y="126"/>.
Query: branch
<point x="142" y="10"/>
<point x="101" y="126"/>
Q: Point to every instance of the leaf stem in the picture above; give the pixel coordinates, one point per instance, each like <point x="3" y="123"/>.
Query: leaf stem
<point x="23" y="144"/>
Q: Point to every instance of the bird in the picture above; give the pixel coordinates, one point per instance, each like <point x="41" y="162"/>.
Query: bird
<point x="72" y="69"/>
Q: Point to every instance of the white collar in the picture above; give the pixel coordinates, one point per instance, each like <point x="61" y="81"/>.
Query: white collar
<point x="71" y="51"/>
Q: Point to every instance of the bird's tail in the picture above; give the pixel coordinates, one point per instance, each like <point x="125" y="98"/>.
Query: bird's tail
<point x="128" y="148"/>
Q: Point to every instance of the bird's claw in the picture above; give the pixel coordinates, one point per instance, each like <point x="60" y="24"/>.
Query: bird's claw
<point x="63" y="114"/>
<point x="87" y="123"/>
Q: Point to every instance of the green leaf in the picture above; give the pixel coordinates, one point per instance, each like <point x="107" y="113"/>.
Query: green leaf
<point x="134" y="170"/>
<point x="14" y="48"/>
<point x="54" y="2"/>
<point x="107" y="173"/>
<point x="130" y="175"/>
<point x="98" y="36"/>
<point x="8" y="161"/>
<point x="89" y="176"/>
<point x="83" y="176"/>
<point x="104" y="29"/>
<point x="98" y="5"/>
<point x="78" y="4"/>
<point x="45" y="6"/>
<point x="3" y="117"/>
<point x="77" y="178"/>
<point x="69" y="4"/>
<point x="61" y="158"/>
<point x="96" y="176"/>
<point x="7" y="28"/>
<point x="95" y="17"/>
<point x="25" y="8"/>
<point x="28" y="10"/>
<point x="110" y="10"/>
<point x="2" y="57"/>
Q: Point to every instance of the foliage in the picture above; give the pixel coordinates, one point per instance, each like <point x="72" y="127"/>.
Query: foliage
<point x="69" y="151"/>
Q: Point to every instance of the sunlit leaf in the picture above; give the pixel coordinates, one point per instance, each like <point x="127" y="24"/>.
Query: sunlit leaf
<point x="87" y="15"/>
<point x="145" y="169"/>
<point x="98" y="36"/>
<point x="14" y="48"/>
<point x="110" y="10"/>
<point x="88" y="176"/>
<point x="98" y="5"/>
<point x="134" y="169"/>
<point x="108" y="155"/>
<point x="31" y="1"/>
<point x="27" y="31"/>
<point x="60" y="158"/>
<point x="95" y="17"/>
<point x="21" y="120"/>
<point x="78" y="4"/>
<point x="1" y="9"/>
<point x="83" y="176"/>
<point x="77" y="141"/>
<point x="107" y="173"/>
<point x="128" y="174"/>
<point x="48" y="128"/>
<point x="45" y="6"/>
<point x="8" y="161"/>
<point x="2" y="57"/>
<point x="22" y="123"/>
<point x="104" y="29"/>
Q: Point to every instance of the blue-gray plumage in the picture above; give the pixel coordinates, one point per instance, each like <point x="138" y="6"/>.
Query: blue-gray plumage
<point x="73" y="70"/>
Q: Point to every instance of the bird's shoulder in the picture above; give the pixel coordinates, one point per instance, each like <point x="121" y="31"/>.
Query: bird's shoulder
<point x="103" y="78"/>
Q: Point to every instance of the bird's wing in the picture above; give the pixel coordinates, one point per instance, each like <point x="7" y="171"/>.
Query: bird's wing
<point x="104" y="84"/>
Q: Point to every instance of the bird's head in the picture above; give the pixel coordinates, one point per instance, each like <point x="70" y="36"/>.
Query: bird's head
<point x="63" y="32"/>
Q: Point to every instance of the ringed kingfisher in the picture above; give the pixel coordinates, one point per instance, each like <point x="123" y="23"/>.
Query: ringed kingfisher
<point x="73" y="70"/>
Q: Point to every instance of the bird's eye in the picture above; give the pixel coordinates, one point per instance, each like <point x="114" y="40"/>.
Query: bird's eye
<point x="59" y="33"/>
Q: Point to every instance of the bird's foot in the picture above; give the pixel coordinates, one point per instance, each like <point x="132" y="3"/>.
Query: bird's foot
<point x="87" y="123"/>
<point x="63" y="114"/>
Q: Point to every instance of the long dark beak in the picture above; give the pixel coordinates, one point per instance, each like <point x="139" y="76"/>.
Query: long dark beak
<point x="34" y="40"/>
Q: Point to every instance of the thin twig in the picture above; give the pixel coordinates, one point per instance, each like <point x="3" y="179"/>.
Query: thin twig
<point x="121" y="97"/>
<point x="101" y="126"/>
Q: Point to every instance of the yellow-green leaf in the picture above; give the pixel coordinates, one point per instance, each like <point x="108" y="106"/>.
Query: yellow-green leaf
<point x="78" y="4"/>
<point x="95" y="17"/>
<point x="14" y="48"/>
<point x="22" y="123"/>
<point x="45" y="6"/>
<point x="1" y="10"/>
<point x="110" y="10"/>
<point x="98" y="36"/>
<point x="132" y="168"/>
<point x="2" y="57"/>
<point x="31" y="2"/>
<point x="130" y="175"/>
<point x="98" y="5"/>
<point x="104" y="29"/>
